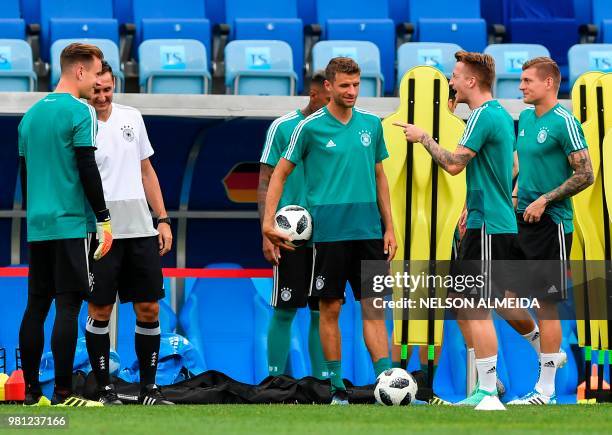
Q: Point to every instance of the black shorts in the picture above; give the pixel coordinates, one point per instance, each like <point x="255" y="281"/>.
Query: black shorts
<point x="479" y="257"/>
<point x="335" y="263"/>
<point x="292" y="280"/>
<point x="58" y="266"/>
<point x="545" y="248"/>
<point x="131" y="268"/>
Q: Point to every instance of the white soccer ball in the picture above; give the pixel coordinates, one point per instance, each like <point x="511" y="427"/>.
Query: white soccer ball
<point x="395" y="387"/>
<point x="296" y="222"/>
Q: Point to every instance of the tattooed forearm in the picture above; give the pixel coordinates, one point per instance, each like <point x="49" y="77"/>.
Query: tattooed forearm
<point x="452" y="163"/>
<point x="265" y="172"/>
<point x="580" y="180"/>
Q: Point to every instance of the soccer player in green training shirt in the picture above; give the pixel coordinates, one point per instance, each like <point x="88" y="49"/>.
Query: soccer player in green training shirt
<point x="485" y="151"/>
<point x="62" y="186"/>
<point x="292" y="271"/>
<point x="554" y="165"/>
<point x="341" y="148"/>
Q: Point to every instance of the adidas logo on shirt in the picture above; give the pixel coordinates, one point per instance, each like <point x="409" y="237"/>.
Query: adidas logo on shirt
<point x="522" y="133"/>
<point x="330" y="144"/>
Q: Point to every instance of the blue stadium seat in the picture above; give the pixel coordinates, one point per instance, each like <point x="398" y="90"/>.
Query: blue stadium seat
<point x="173" y="66"/>
<point x="215" y="11"/>
<point x="109" y="49"/>
<point x="449" y="21"/>
<point x="270" y="20"/>
<point x="307" y="11"/>
<point x="441" y="55"/>
<point x="365" y="53"/>
<point x="12" y="26"/>
<point x="557" y="27"/>
<point x="509" y="59"/>
<point x="219" y="319"/>
<point x="64" y="19"/>
<point x="30" y="11"/>
<point x="399" y="11"/>
<point x="588" y="57"/>
<point x="602" y="17"/>
<point x="168" y="19"/>
<point x="361" y="20"/>
<point x="492" y="11"/>
<point x="16" y="67"/>
<point x="259" y="68"/>
<point x="124" y="11"/>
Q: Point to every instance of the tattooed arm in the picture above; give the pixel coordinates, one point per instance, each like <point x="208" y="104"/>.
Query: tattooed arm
<point x="265" y="173"/>
<point x="580" y="180"/>
<point x="451" y="162"/>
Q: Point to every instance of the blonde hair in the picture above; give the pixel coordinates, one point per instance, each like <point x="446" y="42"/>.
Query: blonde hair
<point x="481" y="65"/>
<point x="78" y="52"/>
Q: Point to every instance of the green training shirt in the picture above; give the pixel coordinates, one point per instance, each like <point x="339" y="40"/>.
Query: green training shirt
<point x="339" y="166"/>
<point x="490" y="134"/>
<point x="543" y="145"/>
<point x="48" y="134"/>
<point x="277" y="140"/>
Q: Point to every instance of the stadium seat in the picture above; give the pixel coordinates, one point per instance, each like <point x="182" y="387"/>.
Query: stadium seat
<point x="30" y="11"/>
<point x="64" y="19"/>
<point x="109" y="49"/>
<point x="557" y="27"/>
<point x="602" y="18"/>
<point x="16" y="67"/>
<point x="215" y="11"/>
<point x="124" y="11"/>
<point x="219" y="319"/>
<point x="441" y="55"/>
<point x="168" y="19"/>
<point x="270" y="20"/>
<point x="12" y="26"/>
<point x="307" y="11"/>
<point x="361" y="20"/>
<point x="509" y="59"/>
<point x="588" y="57"/>
<point x="449" y="21"/>
<point x="259" y="68"/>
<point x="173" y="66"/>
<point x="365" y="53"/>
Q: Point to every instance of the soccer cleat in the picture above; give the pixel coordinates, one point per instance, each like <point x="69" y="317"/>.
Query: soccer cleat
<point x="152" y="395"/>
<point x="436" y="400"/>
<point x="535" y="398"/>
<point x="340" y="397"/>
<point x="108" y="396"/>
<point x="75" y="401"/>
<point x="475" y="398"/>
<point x="31" y="400"/>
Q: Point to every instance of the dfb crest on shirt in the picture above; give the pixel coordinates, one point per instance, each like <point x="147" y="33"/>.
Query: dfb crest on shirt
<point x="366" y="138"/>
<point x="128" y="133"/>
<point x="542" y="135"/>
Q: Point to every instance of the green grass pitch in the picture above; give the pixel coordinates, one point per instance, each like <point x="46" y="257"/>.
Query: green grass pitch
<point x="313" y="419"/>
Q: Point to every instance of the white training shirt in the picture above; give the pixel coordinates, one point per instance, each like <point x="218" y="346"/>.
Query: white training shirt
<point x="122" y="144"/>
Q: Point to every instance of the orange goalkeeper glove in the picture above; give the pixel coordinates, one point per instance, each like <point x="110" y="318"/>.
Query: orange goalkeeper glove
<point x="104" y="234"/>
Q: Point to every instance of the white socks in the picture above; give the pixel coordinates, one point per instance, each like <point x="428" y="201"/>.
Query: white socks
<point x="548" y="370"/>
<point x="487" y="373"/>
<point x="534" y="338"/>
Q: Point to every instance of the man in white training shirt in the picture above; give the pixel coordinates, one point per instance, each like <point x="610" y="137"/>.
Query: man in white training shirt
<point x="134" y="268"/>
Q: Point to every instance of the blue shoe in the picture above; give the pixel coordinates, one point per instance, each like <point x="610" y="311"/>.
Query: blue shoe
<point x="475" y="398"/>
<point x="535" y="398"/>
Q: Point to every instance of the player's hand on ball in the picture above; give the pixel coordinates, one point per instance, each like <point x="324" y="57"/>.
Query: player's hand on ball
<point x="164" y="238"/>
<point x="277" y="238"/>
<point x="390" y="244"/>
<point x="271" y="251"/>
<point x="534" y="211"/>
<point x="412" y="132"/>
<point x="104" y="234"/>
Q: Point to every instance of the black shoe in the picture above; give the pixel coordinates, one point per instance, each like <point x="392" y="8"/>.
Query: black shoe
<point x="108" y="396"/>
<point x="152" y="395"/>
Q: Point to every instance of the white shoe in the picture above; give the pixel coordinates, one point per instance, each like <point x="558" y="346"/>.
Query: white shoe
<point x="535" y="398"/>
